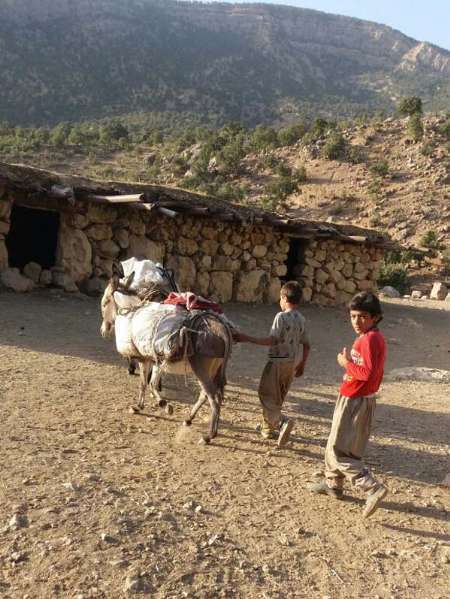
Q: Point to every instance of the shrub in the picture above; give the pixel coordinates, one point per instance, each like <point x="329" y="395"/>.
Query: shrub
<point x="426" y="149"/>
<point x="379" y="168"/>
<point x="288" y="136"/>
<point x="415" y="127"/>
<point x="429" y="240"/>
<point x="394" y="275"/>
<point x="335" y="147"/>
<point x="263" y="138"/>
<point x="409" y="106"/>
<point x="445" y="128"/>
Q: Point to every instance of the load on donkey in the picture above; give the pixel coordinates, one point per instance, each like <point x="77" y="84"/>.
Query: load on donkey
<point x="166" y="337"/>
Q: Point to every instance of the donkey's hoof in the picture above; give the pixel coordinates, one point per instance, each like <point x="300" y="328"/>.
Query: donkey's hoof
<point x="162" y="403"/>
<point x="204" y="440"/>
<point x="187" y="422"/>
<point x="169" y="409"/>
<point x="134" y="409"/>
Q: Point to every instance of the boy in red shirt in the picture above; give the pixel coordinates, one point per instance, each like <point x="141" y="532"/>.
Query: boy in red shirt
<point x="352" y="418"/>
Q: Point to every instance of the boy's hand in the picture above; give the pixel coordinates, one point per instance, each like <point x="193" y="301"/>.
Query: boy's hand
<point x="300" y="370"/>
<point x="238" y="337"/>
<point x="343" y="358"/>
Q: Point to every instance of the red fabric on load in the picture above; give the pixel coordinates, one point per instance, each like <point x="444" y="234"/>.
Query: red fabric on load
<point x="192" y="302"/>
<point x="364" y="374"/>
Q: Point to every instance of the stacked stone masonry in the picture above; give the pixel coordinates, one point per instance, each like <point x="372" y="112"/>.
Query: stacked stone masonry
<point x="227" y="262"/>
<point x="332" y="272"/>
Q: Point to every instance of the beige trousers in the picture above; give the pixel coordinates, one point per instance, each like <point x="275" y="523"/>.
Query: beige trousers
<point x="350" y="431"/>
<point x="273" y="387"/>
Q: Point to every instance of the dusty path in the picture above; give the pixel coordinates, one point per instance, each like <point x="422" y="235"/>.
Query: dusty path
<point x="108" y="494"/>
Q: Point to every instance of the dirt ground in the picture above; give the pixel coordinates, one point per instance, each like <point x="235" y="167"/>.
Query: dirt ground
<point x="93" y="498"/>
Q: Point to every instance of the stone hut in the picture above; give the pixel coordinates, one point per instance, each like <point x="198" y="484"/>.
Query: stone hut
<point x="66" y="232"/>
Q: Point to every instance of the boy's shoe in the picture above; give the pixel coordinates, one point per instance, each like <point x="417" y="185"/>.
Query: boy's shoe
<point x="266" y="434"/>
<point x="323" y="489"/>
<point x="373" y="500"/>
<point x="285" y="432"/>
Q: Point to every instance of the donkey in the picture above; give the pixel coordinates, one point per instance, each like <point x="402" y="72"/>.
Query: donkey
<point x="206" y="342"/>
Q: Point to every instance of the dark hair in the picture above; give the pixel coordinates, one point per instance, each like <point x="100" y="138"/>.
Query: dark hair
<point x="292" y="292"/>
<point x="365" y="301"/>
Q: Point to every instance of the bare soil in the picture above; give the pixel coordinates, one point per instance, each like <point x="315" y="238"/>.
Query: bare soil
<point x="100" y="494"/>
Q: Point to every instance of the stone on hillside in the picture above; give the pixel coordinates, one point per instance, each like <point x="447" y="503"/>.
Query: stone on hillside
<point x="439" y="291"/>
<point x="306" y="294"/>
<point x="12" y="279"/>
<point x="416" y="294"/>
<point x="389" y="291"/>
<point x="33" y="270"/>
<point x="419" y="373"/>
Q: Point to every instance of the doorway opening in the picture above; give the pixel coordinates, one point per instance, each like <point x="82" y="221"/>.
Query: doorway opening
<point x="33" y="237"/>
<point x="296" y="259"/>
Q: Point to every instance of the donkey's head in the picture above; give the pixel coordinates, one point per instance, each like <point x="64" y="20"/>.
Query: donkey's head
<point x="108" y="304"/>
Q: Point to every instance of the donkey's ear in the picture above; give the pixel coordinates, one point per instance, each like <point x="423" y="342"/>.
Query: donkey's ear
<point x="117" y="269"/>
<point x="126" y="284"/>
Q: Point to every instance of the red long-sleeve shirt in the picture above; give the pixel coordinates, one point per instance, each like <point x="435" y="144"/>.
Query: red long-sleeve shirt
<point x="363" y="375"/>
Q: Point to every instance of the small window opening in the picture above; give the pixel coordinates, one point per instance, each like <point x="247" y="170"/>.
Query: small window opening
<point x="33" y="237"/>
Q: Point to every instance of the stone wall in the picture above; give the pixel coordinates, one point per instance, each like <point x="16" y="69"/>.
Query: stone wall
<point x="223" y="261"/>
<point x="332" y="271"/>
<point x="216" y="259"/>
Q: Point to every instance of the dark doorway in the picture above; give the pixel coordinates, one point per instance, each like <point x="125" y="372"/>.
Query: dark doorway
<point x="296" y="258"/>
<point x="33" y="237"/>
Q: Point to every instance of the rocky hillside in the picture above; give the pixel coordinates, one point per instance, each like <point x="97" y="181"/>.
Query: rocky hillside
<point x="65" y="60"/>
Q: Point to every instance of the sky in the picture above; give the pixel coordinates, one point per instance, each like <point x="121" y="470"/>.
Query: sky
<point x="424" y="20"/>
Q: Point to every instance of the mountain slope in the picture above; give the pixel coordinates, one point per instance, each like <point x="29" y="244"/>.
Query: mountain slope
<point x="75" y="60"/>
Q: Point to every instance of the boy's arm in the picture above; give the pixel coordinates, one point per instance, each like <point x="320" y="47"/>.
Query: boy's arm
<point x="300" y="368"/>
<point x="243" y="338"/>
<point x="360" y="372"/>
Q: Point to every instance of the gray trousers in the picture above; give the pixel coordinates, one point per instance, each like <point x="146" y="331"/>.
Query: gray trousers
<point x="273" y="387"/>
<point x="350" y="431"/>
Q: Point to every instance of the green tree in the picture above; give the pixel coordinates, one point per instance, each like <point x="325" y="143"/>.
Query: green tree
<point x="335" y="147"/>
<point x="415" y="127"/>
<point x="288" y="136"/>
<point x="409" y="106"/>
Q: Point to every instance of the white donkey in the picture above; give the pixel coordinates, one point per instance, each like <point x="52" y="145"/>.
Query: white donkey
<point x="206" y="342"/>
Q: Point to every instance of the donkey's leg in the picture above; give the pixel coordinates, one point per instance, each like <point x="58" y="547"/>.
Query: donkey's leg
<point x="206" y="369"/>
<point x="132" y="365"/>
<point x="155" y="386"/>
<point x="144" y="368"/>
<point x="198" y="404"/>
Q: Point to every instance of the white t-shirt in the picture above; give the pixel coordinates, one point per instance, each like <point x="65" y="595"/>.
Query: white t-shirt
<point x="290" y="328"/>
